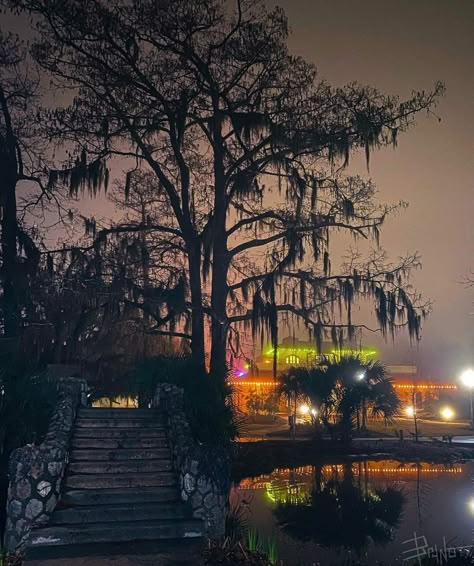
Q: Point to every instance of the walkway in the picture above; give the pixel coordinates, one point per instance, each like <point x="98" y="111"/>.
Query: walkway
<point x="119" y="486"/>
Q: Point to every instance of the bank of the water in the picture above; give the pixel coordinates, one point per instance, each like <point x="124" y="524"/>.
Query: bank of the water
<point x="263" y="456"/>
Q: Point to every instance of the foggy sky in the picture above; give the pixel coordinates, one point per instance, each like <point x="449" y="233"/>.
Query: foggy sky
<point x="399" y="46"/>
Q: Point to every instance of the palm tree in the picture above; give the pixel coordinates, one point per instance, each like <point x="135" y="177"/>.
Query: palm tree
<point x="293" y="386"/>
<point x="358" y="388"/>
<point x="319" y="388"/>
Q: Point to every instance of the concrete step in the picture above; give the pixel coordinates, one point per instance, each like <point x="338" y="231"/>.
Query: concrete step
<point x="119" y="423"/>
<point x="120" y="467"/>
<point x="99" y="413"/>
<point x="120" y="454"/>
<point x="106" y="481"/>
<point x="119" y="443"/>
<point x="114" y="513"/>
<point x="115" y="532"/>
<point x="119" y="496"/>
<point x="155" y="432"/>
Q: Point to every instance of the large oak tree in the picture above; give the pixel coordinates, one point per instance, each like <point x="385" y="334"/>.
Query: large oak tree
<point x="247" y="147"/>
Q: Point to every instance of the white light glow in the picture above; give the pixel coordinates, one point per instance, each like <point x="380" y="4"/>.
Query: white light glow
<point x="360" y="375"/>
<point x="410" y="411"/>
<point x="447" y="413"/>
<point x="314" y="412"/>
<point x="304" y="409"/>
<point x="467" y="378"/>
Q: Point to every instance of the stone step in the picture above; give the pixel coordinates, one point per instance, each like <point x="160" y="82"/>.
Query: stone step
<point x="119" y="423"/>
<point x="116" y="532"/>
<point x="120" y="454"/>
<point x="99" y="413"/>
<point x="114" y="513"/>
<point x="119" y="496"/>
<point x="120" y="467"/>
<point x="156" y="432"/>
<point x="106" y="481"/>
<point x="119" y="443"/>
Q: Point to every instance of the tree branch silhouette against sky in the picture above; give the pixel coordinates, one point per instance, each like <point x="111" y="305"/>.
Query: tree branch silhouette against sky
<point x="397" y="47"/>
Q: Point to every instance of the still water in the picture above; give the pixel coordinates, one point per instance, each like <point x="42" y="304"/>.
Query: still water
<point x="369" y="511"/>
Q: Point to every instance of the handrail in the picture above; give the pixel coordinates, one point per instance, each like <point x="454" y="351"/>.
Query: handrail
<point x="204" y="471"/>
<point x="36" y="472"/>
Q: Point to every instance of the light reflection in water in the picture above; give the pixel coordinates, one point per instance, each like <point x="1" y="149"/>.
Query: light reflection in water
<point x="366" y="508"/>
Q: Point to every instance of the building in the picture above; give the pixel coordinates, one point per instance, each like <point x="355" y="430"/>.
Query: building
<point x="258" y="377"/>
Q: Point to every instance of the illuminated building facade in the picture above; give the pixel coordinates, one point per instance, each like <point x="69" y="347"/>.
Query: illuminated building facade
<point x="296" y="353"/>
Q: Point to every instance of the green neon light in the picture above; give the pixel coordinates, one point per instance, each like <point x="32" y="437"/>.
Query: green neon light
<point x="337" y="352"/>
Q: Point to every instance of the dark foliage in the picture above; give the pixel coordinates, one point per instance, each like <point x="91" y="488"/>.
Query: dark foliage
<point x="26" y="403"/>
<point x="27" y="399"/>
<point x="207" y="401"/>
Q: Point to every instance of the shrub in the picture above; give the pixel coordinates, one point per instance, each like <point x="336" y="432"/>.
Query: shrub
<point x="26" y="403"/>
<point x="27" y="400"/>
<point x="207" y="400"/>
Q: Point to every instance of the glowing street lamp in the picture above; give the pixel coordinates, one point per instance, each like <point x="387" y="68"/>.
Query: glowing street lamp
<point x="467" y="379"/>
<point x="360" y="375"/>
<point x="304" y="409"/>
<point x="410" y="411"/>
<point x="447" y="413"/>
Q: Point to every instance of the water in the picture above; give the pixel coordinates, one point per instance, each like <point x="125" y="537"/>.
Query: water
<point x="367" y="511"/>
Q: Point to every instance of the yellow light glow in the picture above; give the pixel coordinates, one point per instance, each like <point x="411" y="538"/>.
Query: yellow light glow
<point x="304" y="409"/>
<point x="447" y="413"/>
<point x="423" y="386"/>
<point x="410" y="411"/>
<point x="470" y="504"/>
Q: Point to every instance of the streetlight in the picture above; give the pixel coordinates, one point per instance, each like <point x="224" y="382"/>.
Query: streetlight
<point x="410" y="411"/>
<point x="467" y="379"/>
<point x="447" y="413"/>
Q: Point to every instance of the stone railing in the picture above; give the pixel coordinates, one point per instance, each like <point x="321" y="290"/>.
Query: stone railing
<point x="204" y="471"/>
<point x="36" y="472"/>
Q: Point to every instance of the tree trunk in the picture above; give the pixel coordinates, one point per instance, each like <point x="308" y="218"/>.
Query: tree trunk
<point x="219" y="311"/>
<point x="220" y="254"/>
<point x="9" y="224"/>
<point x="11" y="314"/>
<point x="364" y="415"/>
<point x="197" y="313"/>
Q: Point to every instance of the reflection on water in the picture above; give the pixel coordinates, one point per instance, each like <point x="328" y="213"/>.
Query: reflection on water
<point x="364" y="511"/>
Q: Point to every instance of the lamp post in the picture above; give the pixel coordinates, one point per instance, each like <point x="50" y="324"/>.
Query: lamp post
<point x="467" y="379"/>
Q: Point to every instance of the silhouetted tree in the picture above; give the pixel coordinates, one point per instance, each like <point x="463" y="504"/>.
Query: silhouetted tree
<point x="20" y="161"/>
<point x="247" y="145"/>
<point x="293" y="387"/>
<point x="359" y="388"/>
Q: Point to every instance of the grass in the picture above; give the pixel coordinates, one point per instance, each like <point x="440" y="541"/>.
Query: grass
<point x="426" y="427"/>
<point x="260" y="427"/>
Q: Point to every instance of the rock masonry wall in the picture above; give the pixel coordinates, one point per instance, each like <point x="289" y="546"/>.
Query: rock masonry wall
<point x="36" y="472"/>
<point x="204" y="471"/>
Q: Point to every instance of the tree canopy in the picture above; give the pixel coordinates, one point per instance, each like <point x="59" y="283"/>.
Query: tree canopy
<point x="244" y="149"/>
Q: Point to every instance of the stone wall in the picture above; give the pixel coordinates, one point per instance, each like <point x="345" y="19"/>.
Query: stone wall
<point x="36" y="472"/>
<point x="204" y="471"/>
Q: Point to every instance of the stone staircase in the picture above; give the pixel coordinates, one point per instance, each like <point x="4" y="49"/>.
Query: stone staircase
<point x="120" y="484"/>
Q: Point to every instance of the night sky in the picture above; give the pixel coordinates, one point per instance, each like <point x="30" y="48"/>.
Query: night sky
<point x="400" y="46"/>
